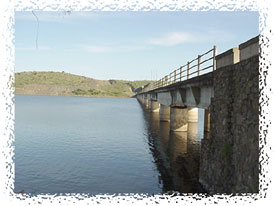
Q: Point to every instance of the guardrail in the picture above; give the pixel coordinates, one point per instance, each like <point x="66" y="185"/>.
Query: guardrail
<point x="191" y="69"/>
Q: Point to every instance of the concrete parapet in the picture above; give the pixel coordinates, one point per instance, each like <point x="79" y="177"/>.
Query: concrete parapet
<point x="164" y="113"/>
<point x="179" y="119"/>
<point x="249" y="48"/>
<point x="231" y="56"/>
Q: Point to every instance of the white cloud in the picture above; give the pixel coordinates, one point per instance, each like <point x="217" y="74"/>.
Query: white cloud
<point x="175" y="38"/>
<point x="172" y="39"/>
<point x="169" y="39"/>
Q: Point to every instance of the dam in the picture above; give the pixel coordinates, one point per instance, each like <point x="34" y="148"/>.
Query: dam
<point x="226" y="87"/>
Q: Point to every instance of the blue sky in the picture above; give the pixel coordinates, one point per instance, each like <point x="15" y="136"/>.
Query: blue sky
<point x="125" y="45"/>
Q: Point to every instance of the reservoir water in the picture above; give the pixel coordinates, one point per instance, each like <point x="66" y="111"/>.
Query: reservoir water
<point x="100" y="145"/>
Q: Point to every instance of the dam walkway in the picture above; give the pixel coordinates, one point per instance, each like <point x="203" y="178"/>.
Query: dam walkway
<point x="226" y="87"/>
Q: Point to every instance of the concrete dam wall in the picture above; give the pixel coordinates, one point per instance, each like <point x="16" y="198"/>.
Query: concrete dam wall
<point x="229" y="95"/>
<point x="230" y="157"/>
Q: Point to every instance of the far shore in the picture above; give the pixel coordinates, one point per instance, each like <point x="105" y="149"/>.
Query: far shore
<point x="86" y="96"/>
<point x="66" y="84"/>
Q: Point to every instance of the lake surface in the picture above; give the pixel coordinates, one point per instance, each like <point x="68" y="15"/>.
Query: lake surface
<point x="100" y="145"/>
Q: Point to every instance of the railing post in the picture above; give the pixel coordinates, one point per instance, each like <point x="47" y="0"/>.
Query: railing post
<point x="168" y="79"/>
<point x="180" y="73"/>
<point x="187" y="75"/>
<point x="199" y="61"/>
<point x="214" y="57"/>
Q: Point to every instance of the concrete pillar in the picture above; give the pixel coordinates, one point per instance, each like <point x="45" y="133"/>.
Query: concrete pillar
<point x="193" y="128"/>
<point x="206" y="120"/>
<point x="179" y="119"/>
<point x="193" y="115"/>
<point x="154" y="121"/>
<point x="146" y="103"/>
<point x="142" y="100"/>
<point x="164" y="113"/>
<point x="153" y="106"/>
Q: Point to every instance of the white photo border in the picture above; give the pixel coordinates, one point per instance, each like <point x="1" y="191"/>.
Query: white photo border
<point x="7" y="107"/>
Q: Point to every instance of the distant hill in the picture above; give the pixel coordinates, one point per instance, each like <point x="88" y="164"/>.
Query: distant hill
<point x="65" y="84"/>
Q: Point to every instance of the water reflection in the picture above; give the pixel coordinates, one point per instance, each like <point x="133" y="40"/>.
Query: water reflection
<point x="176" y="154"/>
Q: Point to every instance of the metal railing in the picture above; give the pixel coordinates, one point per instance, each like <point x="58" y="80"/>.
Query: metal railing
<point x="204" y="63"/>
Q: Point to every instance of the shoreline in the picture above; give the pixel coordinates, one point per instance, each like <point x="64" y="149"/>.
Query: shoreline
<point x="72" y="96"/>
<point x="66" y="84"/>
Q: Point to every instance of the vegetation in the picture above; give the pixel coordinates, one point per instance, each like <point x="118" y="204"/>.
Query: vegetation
<point x="65" y="84"/>
<point x="50" y="78"/>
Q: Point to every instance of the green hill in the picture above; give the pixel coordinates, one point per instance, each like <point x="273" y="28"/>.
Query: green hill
<point x="65" y="84"/>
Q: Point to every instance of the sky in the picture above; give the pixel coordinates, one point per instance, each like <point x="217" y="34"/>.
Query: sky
<point x="125" y="45"/>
